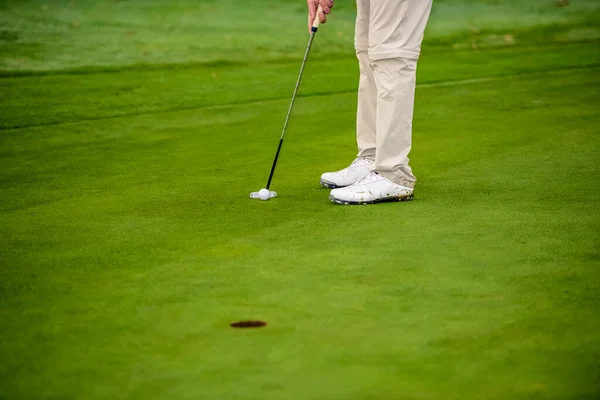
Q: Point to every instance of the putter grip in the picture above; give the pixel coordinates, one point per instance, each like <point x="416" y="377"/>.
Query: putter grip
<point x="317" y="21"/>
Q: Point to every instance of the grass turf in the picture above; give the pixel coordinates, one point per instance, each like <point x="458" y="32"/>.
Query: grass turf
<point x="128" y="242"/>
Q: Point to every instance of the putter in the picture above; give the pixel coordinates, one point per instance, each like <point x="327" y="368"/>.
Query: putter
<point x="313" y="31"/>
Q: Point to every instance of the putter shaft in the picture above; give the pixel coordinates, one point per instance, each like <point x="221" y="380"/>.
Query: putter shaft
<point x="287" y="118"/>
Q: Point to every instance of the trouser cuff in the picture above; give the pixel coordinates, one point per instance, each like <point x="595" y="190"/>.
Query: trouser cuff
<point x="369" y="154"/>
<point x="400" y="175"/>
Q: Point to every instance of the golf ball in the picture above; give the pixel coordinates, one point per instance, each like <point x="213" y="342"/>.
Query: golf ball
<point x="264" y="194"/>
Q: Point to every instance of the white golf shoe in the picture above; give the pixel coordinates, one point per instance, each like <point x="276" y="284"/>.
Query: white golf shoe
<point x="347" y="176"/>
<point x="373" y="188"/>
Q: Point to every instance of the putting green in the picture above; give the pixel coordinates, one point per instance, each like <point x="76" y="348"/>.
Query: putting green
<point x="128" y="243"/>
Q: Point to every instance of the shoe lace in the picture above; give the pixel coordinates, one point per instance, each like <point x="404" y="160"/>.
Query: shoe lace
<point x="371" y="176"/>
<point x="358" y="160"/>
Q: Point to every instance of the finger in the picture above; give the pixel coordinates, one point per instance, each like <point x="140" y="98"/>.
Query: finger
<point x="326" y="4"/>
<point x="322" y="17"/>
<point x="312" y="13"/>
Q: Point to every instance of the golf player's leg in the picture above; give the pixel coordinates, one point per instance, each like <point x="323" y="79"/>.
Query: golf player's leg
<point x="395" y="79"/>
<point x="366" y="115"/>
<point x="395" y="34"/>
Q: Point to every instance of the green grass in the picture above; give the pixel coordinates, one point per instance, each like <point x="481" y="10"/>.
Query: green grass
<point x="128" y="242"/>
<point x="41" y="35"/>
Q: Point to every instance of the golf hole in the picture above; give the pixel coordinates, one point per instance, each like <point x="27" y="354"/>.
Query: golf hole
<point x="248" y="324"/>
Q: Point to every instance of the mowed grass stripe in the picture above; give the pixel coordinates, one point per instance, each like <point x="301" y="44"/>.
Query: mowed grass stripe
<point x="48" y="100"/>
<point x="549" y="73"/>
<point x="37" y="35"/>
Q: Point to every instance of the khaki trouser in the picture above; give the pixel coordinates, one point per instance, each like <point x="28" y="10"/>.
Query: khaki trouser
<point x="388" y="42"/>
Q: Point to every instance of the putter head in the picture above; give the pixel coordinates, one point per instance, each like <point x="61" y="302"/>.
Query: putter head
<point x="254" y="195"/>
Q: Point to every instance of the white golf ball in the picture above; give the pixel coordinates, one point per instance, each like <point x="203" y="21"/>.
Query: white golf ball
<point x="264" y="194"/>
